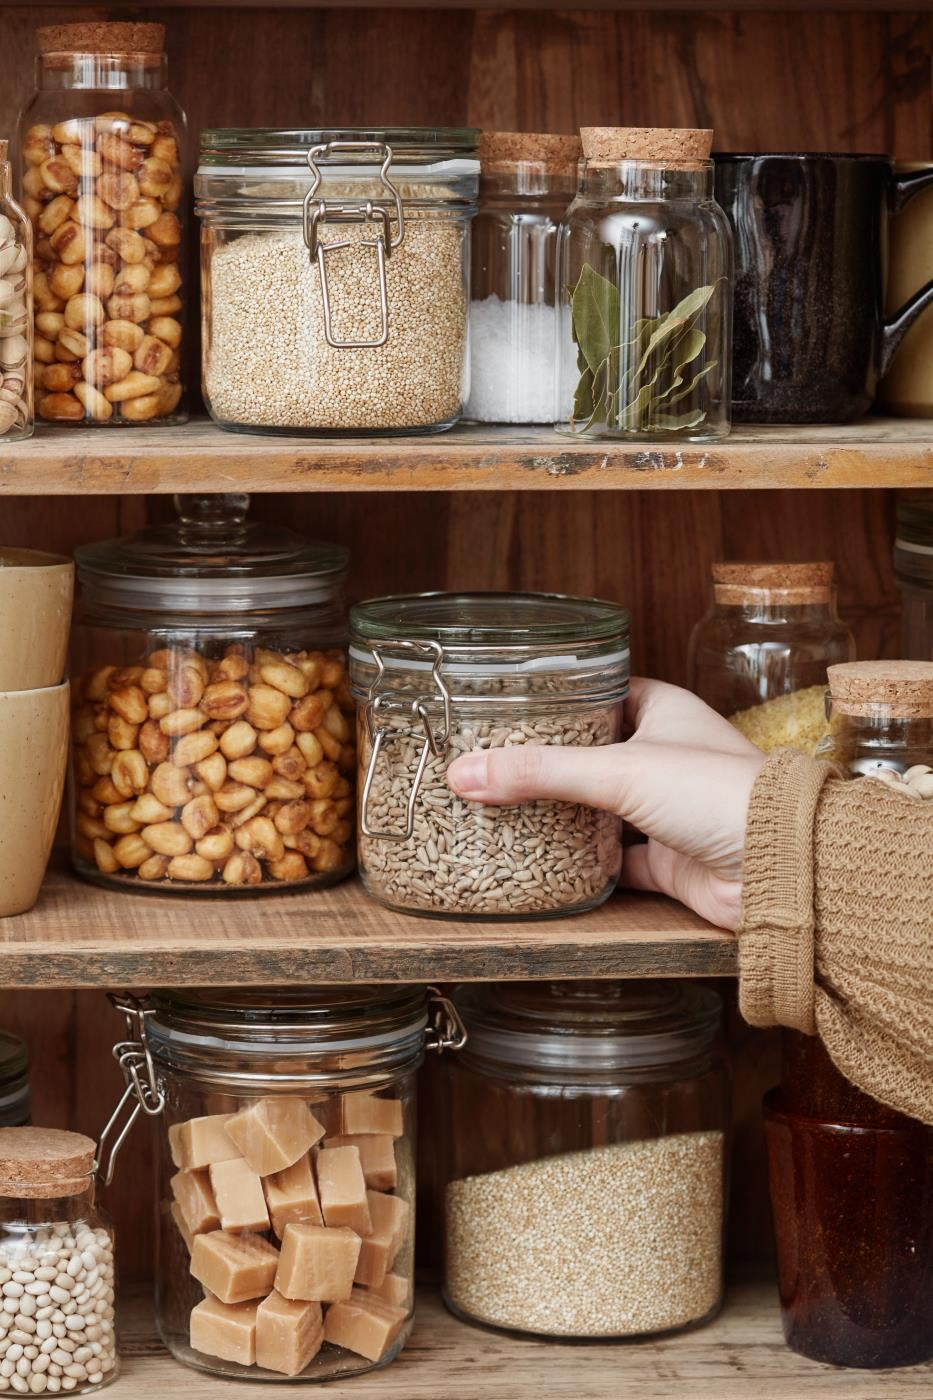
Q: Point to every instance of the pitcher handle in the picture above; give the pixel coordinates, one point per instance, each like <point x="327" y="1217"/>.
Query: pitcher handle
<point x="896" y="326"/>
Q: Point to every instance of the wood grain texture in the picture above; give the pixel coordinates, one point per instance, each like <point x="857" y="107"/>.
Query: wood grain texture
<point x="739" y="1355"/>
<point x="136" y="461"/>
<point x="82" y="936"/>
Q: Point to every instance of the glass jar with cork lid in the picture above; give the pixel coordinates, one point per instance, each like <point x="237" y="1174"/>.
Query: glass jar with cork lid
<point x="286" y="1170"/>
<point x="100" y="149"/>
<point x="526" y="184"/>
<point x="761" y="654"/>
<point x="52" y="1231"/>
<point x="584" y="1158"/>
<point x="881" y="722"/>
<point x="646" y="282"/>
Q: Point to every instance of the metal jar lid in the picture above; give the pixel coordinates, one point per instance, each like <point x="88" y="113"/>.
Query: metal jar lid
<point x="589" y="1027"/>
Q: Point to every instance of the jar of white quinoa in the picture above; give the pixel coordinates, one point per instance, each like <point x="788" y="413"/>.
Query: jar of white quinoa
<point x="335" y="278"/>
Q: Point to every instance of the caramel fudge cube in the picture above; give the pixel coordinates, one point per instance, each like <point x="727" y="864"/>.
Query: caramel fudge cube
<point x="365" y="1113"/>
<point x="289" y="1334"/>
<point x="234" y="1268"/>
<point x="225" y="1330"/>
<point x="195" y="1201"/>
<point x="377" y="1157"/>
<point x="198" y="1142"/>
<point x="291" y="1196"/>
<point x="317" y="1264"/>
<point x="394" y="1289"/>
<point x="365" y="1325"/>
<point x="239" y="1196"/>
<point x="273" y="1133"/>
<point x="182" y="1225"/>
<point x="342" y="1189"/>
<point x="389" y="1215"/>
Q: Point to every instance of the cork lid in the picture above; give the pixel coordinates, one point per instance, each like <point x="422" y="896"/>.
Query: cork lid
<point x="502" y="152"/>
<point x="898" y="689"/>
<point x="41" y="1163"/>
<point x="790" y="583"/>
<point x="687" y="148"/>
<point x="96" y="37"/>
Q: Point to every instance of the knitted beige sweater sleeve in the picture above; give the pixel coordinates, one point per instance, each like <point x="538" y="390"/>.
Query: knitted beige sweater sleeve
<point x="836" y="933"/>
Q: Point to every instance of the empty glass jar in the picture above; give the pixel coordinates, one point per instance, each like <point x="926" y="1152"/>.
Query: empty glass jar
<point x="645" y="278"/>
<point x="213" y="737"/>
<point x="438" y="675"/>
<point x="881" y="716"/>
<point x="913" y="569"/>
<point x="286" y="1173"/>
<point x="14" y="1081"/>
<point x="761" y="653"/>
<point x="584" y="1158"/>
<point x="526" y="184"/>
<point x="101" y="148"/>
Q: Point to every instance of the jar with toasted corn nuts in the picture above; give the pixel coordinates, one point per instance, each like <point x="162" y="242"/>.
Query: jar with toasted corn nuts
<point x="213" y="730"/>
<point x="100" y="152"/>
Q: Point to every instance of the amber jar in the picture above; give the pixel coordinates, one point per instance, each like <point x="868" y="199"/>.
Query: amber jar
<point x="585" y="1147"/>
<point x="768" y="639"/>
<point x="881" y="719"/>
<point x="101" y="144"/>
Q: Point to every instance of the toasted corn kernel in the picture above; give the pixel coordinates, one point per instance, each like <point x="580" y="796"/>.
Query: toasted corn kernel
<point x="212" y="771"/>
<point x="104" y="857"/>
<point x="167" y="838"/>
<point x="260" y="838"/>
<point x="254" y="770"/>
<point x="154" y="868"/>
<point x="131" y="851"/>
<point x="216" y="844"/>
<point x="170" y="785"/>
<point x="192" y="748"/>
<point x="242" y="869"/>
<point x="292" y="867"/>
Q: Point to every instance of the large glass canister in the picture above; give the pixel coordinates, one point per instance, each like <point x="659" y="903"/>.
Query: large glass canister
<point x="526" y="183"/>
<point x="585" y="1151"/>
<point x="59" y="1336"/>
<point x="761" y="654"/>
<point x="438" y="675"/>
<point x="913" y="569"/>
<point x="881" y="722"/>
<point x="16" y="397"/>
<point x="101" y="149"/>
<point x="646" y="283"/>
<point x="213" y="732"/>
<point x="286" y="1173"/>
<point x="14" y="1081"/>
<point x="346" y="254"/>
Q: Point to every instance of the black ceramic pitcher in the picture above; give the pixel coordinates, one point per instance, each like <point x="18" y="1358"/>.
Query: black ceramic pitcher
<point x="810" y="340"/>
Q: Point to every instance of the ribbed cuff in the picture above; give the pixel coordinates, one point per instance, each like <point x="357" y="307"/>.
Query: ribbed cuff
<point x="776" y="927"/>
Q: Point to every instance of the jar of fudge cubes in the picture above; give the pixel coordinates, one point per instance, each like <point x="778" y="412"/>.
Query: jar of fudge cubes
<point x="286" y="1171"/>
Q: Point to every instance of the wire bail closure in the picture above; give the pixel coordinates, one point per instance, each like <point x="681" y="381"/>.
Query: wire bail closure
<point x="445" y="1029"/>
<point x="141" y="1094"/>
<point x="317" y="212"/>
<point x="379" y="703"/>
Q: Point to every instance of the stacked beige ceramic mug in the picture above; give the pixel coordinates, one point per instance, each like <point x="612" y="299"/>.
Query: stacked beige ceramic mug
<point x="36" y="592"/>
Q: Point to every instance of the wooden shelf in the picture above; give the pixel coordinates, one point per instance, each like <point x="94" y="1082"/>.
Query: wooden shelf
<point x="741" y="1354"/>
<point x="79" y="935"/>
<point x="122" y="461"/>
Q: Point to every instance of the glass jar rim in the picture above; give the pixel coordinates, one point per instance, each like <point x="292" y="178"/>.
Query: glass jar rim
<point x="288" y="146"/>
<point x="588" y="1026"/>
<point x="478" y="621"/>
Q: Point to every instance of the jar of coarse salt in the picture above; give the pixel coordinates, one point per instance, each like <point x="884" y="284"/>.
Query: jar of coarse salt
<point x="57" y="1285"/>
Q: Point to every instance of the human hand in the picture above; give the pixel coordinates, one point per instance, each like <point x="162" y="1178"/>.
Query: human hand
<point x="684" y="779"/>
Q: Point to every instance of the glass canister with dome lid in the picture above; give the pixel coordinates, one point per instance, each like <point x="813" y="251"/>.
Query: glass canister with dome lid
<point x="438" y="675"/>
<point x="881" y="722"/>
<point x="335" y="276"/>
<point x="584" y="1157"/>
<point x="213" y="737"/>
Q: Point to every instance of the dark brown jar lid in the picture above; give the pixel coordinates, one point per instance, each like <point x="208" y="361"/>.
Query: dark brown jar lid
<point x="103" y="38"/>
<point x="790" y="583"/>
<point x="894" y="689"/>
<point x="503" y="152"/>
<point x="683" y="148"/>
<point x="42" y="1163"/>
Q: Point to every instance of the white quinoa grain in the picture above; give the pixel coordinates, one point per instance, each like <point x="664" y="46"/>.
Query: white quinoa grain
<point x="614" y="1241"/>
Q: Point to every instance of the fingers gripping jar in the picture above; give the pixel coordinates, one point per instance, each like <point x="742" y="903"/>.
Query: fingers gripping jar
<point x="881" y="722"/>
<point x="286" y="1169"/>
<point x="101" y="145"/>
<point x="440" y="675"/>
<point x="213" y="732"/>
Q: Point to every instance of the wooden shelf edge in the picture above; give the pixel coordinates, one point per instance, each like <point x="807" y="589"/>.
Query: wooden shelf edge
<point x="876" y="452"/>
<point x="738" y="1355"/>
<point x="80" y="935"/>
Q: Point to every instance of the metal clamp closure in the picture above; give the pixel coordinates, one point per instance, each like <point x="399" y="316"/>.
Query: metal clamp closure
<point x="141" y="1093"/>
<point x="353" y="211"/>
<point x="379" y="703"/>
<point x="445" y="1029"/>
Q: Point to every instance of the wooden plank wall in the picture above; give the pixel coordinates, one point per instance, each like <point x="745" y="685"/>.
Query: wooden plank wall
<point x="853" y="81"/>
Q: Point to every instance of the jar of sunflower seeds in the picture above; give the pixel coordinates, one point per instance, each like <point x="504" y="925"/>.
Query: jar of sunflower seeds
<point x="439" y="675"/>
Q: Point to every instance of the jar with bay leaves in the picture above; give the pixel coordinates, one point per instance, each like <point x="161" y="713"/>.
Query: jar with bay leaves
<point x="440" y="675"/>
<point x="646" y="279"/>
